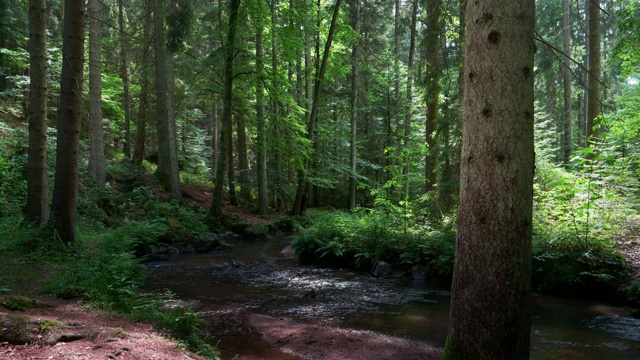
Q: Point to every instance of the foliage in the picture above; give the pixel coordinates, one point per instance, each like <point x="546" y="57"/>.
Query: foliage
<point x="360" y="240"/>
<point x="567" y="267"/>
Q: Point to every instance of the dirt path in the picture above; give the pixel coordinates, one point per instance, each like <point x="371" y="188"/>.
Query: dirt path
<point x="67" y="330"/>
<point x="329" y="343"/>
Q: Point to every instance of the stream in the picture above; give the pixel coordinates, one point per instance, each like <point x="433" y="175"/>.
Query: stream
<point x="264" y="278"/>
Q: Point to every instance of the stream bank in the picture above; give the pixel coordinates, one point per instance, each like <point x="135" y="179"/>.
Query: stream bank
<point x="260" y="304"/>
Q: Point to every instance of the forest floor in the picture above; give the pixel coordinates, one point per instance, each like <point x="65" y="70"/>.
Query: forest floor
<point x="59" y="329"/>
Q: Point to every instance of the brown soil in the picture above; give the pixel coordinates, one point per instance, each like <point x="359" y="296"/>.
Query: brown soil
<point x="67" y="330"/>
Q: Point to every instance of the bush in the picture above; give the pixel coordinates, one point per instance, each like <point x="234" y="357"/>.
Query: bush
<point x="361" y="240"/>
<point x="571" y="268"/>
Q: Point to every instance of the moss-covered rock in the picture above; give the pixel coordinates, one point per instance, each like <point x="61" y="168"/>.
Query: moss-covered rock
<point x="176" y="233"/>
<point x="14" y="330"/>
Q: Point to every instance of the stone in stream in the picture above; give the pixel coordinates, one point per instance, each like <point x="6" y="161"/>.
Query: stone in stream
<point x="382" y="269"/>
<point x="418" y="273"/>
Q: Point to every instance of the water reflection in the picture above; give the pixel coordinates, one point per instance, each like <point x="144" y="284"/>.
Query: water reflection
<point x="255" y="277"/>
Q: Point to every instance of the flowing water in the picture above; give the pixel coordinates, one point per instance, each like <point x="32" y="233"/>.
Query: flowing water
<point x="258" y="277"/>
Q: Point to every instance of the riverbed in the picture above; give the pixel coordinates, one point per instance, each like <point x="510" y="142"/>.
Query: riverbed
<point x="232" y="288"/>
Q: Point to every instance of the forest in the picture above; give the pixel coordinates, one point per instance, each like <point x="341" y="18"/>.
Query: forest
<point x="395" y="139"/>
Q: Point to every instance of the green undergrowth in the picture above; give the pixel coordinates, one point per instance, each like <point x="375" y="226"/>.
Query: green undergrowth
<point x="102" y="269"/>
<point x="562" y="266"/>
<point x="360" y="240"/>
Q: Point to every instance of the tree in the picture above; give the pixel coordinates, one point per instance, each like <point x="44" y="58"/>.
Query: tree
<point x="167" y="171"/>
<point x="225" y="132"/>
<point x="491" y="292"/>
<point x="64" y="203"/>
<point x="263" y="199"/>
<point x="37" y="207"/>
<point x="594" y="97"/>
<point x="567" y="134"/>
<point x="124" y="74"/>
<point x="139" y="149"/>
<point x="354" y="104"/>
<point x="298" y="205"/>
<point x="432" y="84"/>
<point x="96" y="138"/>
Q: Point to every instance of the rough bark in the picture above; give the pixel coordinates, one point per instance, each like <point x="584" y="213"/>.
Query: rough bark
<point x="97" y="165"/>
<point x="37" y="207"/>
<point x="64" y="204"/>
<point x="594" y="98"/>
<point x="432" y="83"/>
<point x="225" y="132"/>
<point x="298" y="207"/>
<point x="491" y="292"/>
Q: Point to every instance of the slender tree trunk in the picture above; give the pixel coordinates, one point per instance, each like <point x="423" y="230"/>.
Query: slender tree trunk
<point x="434" y="27"/>
<point x="491" y="291"/>
<point x="162" y="110"/>
<point x="141" y="136"/>
<point x="124" y="74"/>
<point x="231" y="169"/>
<point x="64" y="204"/>
<point x="354" y="104"/>
<point x="96" y="158"/>
<point x="298" y="207"/>
<point x="225" y="134"/>
<point x="263" y="196"/>
<point x="408" y="109"/>
<point x="174" y="169"/>
<point x="278" y="192"/>
<point x="243" y="162"/>
<point x="594" y="99"/>
<point x="37" y="207"/>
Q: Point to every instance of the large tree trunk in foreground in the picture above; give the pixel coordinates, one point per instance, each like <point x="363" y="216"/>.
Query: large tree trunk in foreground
<point x="64" y="204"/>
<point x="491" y="292"/>
<point x="96" y="142"/>
<point x="37" y="207"/>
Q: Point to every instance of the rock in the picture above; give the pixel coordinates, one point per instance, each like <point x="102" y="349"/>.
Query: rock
<point x="418" y="273"/>
<point x="210" y="242"/>
<point x="228" y="236"/>
<point x="255" y="232"/>
<point x="382" y="269"/>
<point x="14" y="330"/>
<point x="176" y="233"/>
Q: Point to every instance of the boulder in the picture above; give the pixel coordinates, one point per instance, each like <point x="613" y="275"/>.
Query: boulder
<point x="382" y="269"/>
<point x="208" y="243"/>
<point x="418" y="273"/>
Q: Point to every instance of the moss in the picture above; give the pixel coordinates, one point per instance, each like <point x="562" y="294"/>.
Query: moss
<point x="176" y="233"/>
<point x="18" y="303"/>
<point x="70" y="292"/>
<point x="14" y="330"/>
<point x="454" y="352"/>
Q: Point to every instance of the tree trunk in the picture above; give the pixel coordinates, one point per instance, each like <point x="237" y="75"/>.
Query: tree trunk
<point x="37" y="207"/>
<point x="432" y="83"/>
<point x="243" y="161"/>
<point x="225" y="134"/>
<point x="141" y="136"/>
<point x="354" y="105"/>
<point x="298" y="207"/>
<point x="408" y="109"/>
<point x="162" y="110"/>
<point x="64" y="204"/>
<point x="124" y="74"/>
<point x="491" y="292"/>
<point x="263" y="196"/>
<point x="594" y="98"/>
<point x="174" y="169"/>
<point x="96" y="137"/>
